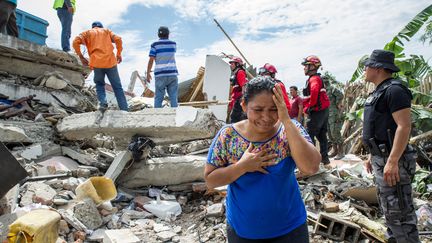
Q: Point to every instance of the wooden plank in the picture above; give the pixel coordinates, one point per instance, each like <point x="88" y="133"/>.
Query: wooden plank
<point x="198" y="88"/>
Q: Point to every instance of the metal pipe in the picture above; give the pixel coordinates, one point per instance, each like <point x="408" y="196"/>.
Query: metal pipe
<point x="241" y="54"/>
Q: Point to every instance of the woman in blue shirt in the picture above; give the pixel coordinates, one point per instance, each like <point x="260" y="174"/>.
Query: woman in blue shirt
<point x="256" y="158"/>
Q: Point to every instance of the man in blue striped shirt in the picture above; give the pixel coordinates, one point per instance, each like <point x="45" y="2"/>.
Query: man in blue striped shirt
<point x="163" y="53"/>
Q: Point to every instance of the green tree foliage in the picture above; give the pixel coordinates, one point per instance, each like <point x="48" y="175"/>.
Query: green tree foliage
<point x="413" y="69"/>
<point x="428" y="33"/>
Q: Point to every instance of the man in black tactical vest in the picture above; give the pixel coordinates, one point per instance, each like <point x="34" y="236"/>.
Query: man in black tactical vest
<point x="386" y="131"/>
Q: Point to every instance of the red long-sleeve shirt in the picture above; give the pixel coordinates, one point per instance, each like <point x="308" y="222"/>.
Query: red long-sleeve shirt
<point x="237" y="89"/>
<point x="315" y="85"/>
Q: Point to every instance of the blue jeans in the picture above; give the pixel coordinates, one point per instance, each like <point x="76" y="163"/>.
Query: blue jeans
<point x="114" y="78"/>
<point x="170" y="83"/>
<point x="66" y="23"/>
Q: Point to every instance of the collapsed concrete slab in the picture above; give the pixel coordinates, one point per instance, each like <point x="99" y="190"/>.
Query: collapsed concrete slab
<point x="164" y="171"/>
<point x="44" y="96"/>
<point x="31" y="60"/>
<point x="13" y="134"/>
<point x="37" y="132"/>
<point x="167" y="125"/>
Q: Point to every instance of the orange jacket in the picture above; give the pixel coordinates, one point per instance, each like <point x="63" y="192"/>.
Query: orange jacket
<point x="99" y="46"/>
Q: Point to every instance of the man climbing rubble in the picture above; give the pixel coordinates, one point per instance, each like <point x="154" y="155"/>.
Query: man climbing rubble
<point x="386" y="131"/>
<point x="98" y="41"/>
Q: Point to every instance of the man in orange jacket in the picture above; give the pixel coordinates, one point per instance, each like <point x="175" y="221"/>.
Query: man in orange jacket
<point x="98" y="41"/>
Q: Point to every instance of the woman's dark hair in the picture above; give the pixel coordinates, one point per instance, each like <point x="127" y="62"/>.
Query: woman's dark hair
<point x="258" y="85"/>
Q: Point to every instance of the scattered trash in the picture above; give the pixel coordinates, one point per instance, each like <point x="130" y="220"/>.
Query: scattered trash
<point x="37" y="226"/>
<point x="99" y="189"/>
<point x="165" y="210"/>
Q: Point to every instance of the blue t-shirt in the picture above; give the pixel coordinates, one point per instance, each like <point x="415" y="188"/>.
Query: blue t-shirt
<point x="164" y="53"/>
<point x="258" y="205"/>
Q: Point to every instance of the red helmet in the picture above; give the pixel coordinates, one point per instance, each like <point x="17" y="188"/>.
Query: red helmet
<point x="270" y="68"/>
<point x="312" y="60"/>
<point x="236" y="60"/>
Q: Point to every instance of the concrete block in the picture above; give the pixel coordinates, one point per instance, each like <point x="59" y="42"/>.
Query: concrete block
<point x="160" y="227"/>
<point x="121" y="235"/>
<point x="13" y="134"/>
<point x="97" y="235"/>
<point x="72" y="220"/>
<point x="164" y="171"/>
<point x="168" y="125"/>
<point x="165" y="236"/>
<point x="86" y="212"/>
<point x="331" y="207"/>
<point x="133" y="214"/>
<point x="118" y="164"/>
<point x="337" y="229"/>
<point x="35" y="69"/>
<point x="215" y="210"/>
<point x="32" y="152"/>
<point x="38" y="192"/>
<point x="82" y="158"/>
<point x="38" y="132"/>
<point x="43" y="96"/>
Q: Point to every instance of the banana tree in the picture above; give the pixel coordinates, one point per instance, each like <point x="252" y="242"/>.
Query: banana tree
<point x="412" y="68"/>
<point x="428" y="33"/>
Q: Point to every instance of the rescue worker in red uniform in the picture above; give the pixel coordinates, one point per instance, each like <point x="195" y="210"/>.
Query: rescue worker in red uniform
<point x="238" y="81"/>
<point x="316" y="103"/>
<point x="270" y="70"/>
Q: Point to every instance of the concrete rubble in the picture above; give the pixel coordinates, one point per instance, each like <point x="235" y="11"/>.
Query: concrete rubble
<point x="108" y="187"/>
<point x="163" y="126"/>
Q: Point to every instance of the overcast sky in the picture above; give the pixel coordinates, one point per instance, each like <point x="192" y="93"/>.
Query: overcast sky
<point x="280" y="32"/>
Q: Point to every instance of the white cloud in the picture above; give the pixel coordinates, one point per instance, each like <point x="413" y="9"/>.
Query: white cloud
<point x="338" y="31"/>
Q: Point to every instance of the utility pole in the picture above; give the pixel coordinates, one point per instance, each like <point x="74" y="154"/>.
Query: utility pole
<point x="217" y="23"/>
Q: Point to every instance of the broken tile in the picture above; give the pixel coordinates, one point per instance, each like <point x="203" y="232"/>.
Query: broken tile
<point x="121" y="235"/>
<point x="165" y="235"/>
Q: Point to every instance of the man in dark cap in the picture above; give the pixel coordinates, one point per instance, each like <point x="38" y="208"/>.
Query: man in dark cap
<point x="163" y="53"/>
<point x="386" y="131"/>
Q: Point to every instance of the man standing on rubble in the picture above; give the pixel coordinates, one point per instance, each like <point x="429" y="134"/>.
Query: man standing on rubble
<point x="65" y="11"/>
<point x="163" y="53"/>
<point x="98" y="41"/>
<point x="316" y="104"/>
<point x="336" y="117"/>
<point x="386" y="131"/>
<point x="8" y="24"/>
